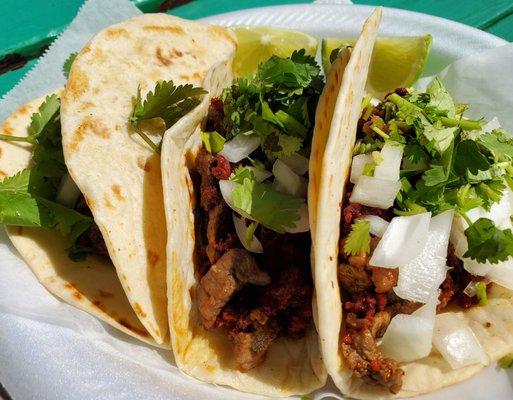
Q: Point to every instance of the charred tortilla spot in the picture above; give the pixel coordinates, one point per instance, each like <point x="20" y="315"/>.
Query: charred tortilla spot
<point x="78" y="83"/>
<point x="105" y="295"/>
<point x="223" y="34"/>
<point x="166" y="60"/>
<point x="88" y="125"/>
<point x="152" y="258"/>
<point x="488" y="325"/>
<point x="176" y="30"/>
<point x="90" y="203"/>
<point x="107" y="202"/>
<point x="127" y="325"/>
<point x="77" y="295"/>
<point x="139" y="311"/>
<point x="7" y="129"/>
<point x="98" y="304"/>
<point x="116" y="32"/>
<point x="123" y="277"/>
<point x="74" y="291"/>
<point x="116" y="189"/>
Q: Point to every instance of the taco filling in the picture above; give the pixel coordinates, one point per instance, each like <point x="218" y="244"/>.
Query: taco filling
<point x="426" y="228"/>
<point x="252" y="232"/>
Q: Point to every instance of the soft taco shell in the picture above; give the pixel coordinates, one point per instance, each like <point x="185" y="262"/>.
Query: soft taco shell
<point x="291" y="366"/>
<point x="330" y="165"/>
<point x="117" y="172"/>
<point x="91" y="285"/>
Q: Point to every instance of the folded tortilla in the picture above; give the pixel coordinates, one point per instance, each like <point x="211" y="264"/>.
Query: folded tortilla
<point x="91" y="285"/>
<point x="119" y="175"/>
<point x="330" y="166"/>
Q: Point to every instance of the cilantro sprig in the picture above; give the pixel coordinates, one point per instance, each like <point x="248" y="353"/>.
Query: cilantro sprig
<point x="358" y="240"/>
<point x="66" y="68"/>
<point x="273" y="209"/>
<point x="447" y="163"/>
<point x="28" y="197"/>
<point x="167" y="102"/>
<point x="277" y="104"/>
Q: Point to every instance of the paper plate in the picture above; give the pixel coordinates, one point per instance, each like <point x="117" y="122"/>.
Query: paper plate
<point x="49" y="350"/>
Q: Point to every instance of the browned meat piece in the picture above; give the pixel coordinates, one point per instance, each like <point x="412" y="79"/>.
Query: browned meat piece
<point x="448" y="288"/>
<point x="380" y="323"/>
<point x="360" y="260"/>
<point x="224" y="278"/>
<point x="353" y="279"/>
<point x="92" y="238"/>
<point x="221" y="168"/>
<point x="210" y="195"/>
<point x="250" y="349"/>
<point x="220" y="232"/>
<point x="403" y="307"/>
<point x="368" y="362"/>
<point x="384" y="279"/>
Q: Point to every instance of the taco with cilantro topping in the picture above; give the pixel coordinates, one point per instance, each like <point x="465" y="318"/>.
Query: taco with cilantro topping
<point x="413" y="244"/>
<point x="239" y="245"/>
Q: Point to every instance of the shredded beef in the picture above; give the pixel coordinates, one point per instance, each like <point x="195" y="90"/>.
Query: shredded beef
<point x="354" y="279"/>
<point x="92" y="238"/>
<point x="227" y="276"/>
<point x="220" y="232"/>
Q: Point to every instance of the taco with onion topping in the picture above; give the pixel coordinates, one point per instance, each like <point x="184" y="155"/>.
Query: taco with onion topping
<point x="413" y="246"/>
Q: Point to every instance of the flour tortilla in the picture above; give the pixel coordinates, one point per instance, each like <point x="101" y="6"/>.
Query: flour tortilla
<point x="330" y="165"/>
<point x="115" y="170"/>
<point x="91" y="285"/>
<point x="291" y="366"/>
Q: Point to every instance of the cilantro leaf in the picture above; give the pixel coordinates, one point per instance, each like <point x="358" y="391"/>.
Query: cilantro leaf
<point x="440" y="139"/>
<point x="358" y="240"/>
<point x="469" y="158"/>
<point x="506" y="361"/>
<point x="241" y="173"/>
<point x="439" y="98"/>
<point x="499" y="143"/>
<point x="272" y="209"/>
<point x="487" y="243"/>
<point x="167" y="102"/>
<point x="481" y="293"/>
<point x="66" y="68"/>
<point x="279" y="146"/>
<point x="212" y="141"/>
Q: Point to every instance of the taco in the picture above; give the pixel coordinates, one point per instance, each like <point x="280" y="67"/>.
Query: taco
<point x="413" y="243"/>
<point x="49" y="223"/>
<point x="130" y="83"/>
<point x="239" y="273"/>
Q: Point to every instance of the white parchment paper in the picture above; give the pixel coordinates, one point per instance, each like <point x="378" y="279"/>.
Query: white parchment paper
<point x="40" y="337"/>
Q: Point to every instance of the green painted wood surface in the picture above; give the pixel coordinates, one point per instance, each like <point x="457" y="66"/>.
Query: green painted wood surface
<point x="30" y="25"/>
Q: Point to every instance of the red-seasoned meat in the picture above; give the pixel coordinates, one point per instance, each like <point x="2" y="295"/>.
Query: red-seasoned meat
<point x="220" y="167"/>
<point x="250" y="348"/>
<point x="210" y="195"/>
<point x="448" y="288"/>
<point x="215" y="116"/>
<point x="227" y="276"/>
<point x="221" y="235"/>
<point x="92" y="238"/>
<point x="353" y="211"/>
<point x="354" y="279"/>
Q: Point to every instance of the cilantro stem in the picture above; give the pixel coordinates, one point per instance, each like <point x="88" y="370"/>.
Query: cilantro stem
<point x="465" y="124"/>
<point x="8" y="138"/>
<point x="380" y="133"/>
<point x="148" y="141"/>
<point x="465" y="217"/>
<point x="399" y="101"/>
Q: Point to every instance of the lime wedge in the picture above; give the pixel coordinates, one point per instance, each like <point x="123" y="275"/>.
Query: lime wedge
<point x="258" y="43"/>
<point x="396" y="61"/>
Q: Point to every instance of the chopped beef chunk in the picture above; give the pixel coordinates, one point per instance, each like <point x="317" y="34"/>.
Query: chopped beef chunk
<point x="92" y="238"/>
<point x="250" y="348"/>
<point x="366" y="361"/>
<point x="227" y="276"/>
<point x="354" y="279"/>
<point x="215" y="118"/>
<point x="384" y="279"/>
<point x="220" y="167"/>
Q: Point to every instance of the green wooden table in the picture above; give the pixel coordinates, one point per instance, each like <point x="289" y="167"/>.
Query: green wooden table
<point x="29" y="26"/>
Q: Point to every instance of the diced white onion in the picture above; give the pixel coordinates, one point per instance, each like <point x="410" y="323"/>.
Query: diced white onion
<point x="420" y="278"/>
<point x="293" y="183"/>
<point x="374" y="101"/>
<point x="254" y="244"/>
<point x="378" y="225"/>
<point x="375" y="192"/>
<point x="410" y="337"/>
<point x="403" y="240"/>
<point x="68" y="192"/>
<point x="302" y="224"/>
<point x="260" y="174"/>
<point x="391" y="156"/>
<point x="297" y="163"/>
<point x="470" y="289"/>
<point x="240" y="147"/>
<point x="358" y="164"/>
<point x="502" y="273"/>
<point x="456" y="342"/>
